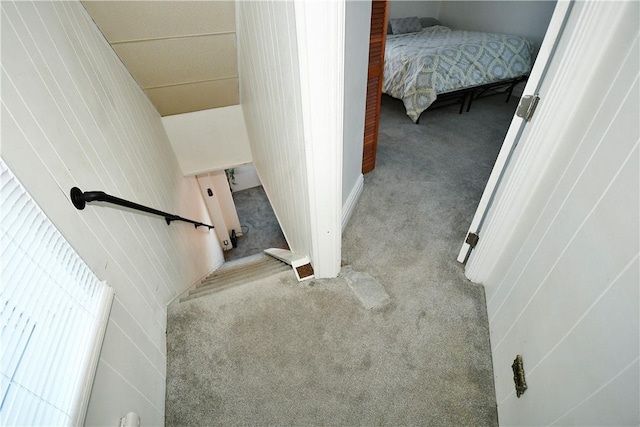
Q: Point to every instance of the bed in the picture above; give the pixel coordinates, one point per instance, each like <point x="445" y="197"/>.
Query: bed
<point x="422" y="64"/>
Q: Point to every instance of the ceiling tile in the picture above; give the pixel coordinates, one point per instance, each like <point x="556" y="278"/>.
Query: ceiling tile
<point x="138" y="20"/>
<point x="184" y="60"/>
<point x="194" y="97"/>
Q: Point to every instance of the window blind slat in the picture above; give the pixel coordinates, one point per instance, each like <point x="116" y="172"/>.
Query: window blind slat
<point x="74" y="321"/>
<point x="53" y="311"/>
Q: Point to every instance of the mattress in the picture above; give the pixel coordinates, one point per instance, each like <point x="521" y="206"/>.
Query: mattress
<point x="419" y="66"/>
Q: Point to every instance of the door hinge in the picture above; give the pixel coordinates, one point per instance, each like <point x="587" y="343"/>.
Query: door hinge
<point x="527" y="106"/>
<point x="472" y="239"/>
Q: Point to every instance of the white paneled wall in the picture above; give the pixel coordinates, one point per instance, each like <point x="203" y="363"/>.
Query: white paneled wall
<point x="73" y="116"/>
<point x="563" y="282"/>
<point x="271" y="101"/>
<point x="291" y="68"/>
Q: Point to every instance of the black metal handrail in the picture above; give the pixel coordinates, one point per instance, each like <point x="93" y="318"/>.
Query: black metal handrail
<point x="80" y="199"/>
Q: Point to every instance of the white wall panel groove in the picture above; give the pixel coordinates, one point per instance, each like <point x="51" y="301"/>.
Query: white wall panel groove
<point x="73" y="116"/>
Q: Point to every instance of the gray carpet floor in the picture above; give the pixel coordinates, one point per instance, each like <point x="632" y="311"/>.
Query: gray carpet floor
<point x="260" y="225"/>
<point x="279" y="352"/>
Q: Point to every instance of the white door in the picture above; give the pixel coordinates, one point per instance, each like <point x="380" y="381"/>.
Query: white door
<point x="556" y="25"/>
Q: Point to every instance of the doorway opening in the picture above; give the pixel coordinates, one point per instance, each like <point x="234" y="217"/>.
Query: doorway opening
<point x="259" y="227"/>
<point x="241" y="212"/>
<point x="459" y="150"/>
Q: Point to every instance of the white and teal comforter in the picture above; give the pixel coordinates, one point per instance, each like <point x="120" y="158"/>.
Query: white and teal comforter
<point x="419" y="66"/>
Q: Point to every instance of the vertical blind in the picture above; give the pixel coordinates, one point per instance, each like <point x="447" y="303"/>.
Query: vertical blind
<point x="53" y="314"/>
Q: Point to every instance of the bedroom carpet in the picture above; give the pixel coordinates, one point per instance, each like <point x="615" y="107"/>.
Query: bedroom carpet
<point x="279" y="352"/>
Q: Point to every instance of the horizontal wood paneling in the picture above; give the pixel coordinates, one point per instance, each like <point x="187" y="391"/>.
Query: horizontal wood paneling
<point x="73" y="116"/>
<point x="122" y="396"/>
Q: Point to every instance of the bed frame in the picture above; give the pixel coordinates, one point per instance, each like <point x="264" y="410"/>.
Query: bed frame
<point x="466" y="95"/>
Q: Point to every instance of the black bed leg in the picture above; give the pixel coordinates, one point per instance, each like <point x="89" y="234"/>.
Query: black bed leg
<point x="513" y="85"/>
<point x="463" y="99"/>
<point x="470" y="99"/>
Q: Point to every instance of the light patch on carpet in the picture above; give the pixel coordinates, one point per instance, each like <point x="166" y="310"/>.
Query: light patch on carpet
<point x="369" y="291"/>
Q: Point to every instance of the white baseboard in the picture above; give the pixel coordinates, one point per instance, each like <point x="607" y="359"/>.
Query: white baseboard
<point x="350" y="204"/>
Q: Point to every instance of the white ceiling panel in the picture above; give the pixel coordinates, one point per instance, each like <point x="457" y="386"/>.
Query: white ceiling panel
<point x="141" y="20"/>
<point x="182" y="60"/>
<point x="182" y="53"/>
<point x="186" y="98"/>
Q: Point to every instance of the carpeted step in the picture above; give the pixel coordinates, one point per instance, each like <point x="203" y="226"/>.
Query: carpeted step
<point x="236" y="271"/>
<point x="249" y="275"/>
<point x="239" y="273"/>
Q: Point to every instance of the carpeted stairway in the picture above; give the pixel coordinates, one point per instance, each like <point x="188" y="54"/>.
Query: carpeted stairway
<point x="235" y="273"/>
<point x="279" y="352"/>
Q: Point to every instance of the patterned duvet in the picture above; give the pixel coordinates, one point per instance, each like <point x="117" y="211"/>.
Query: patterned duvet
<point x="419" y="66"/>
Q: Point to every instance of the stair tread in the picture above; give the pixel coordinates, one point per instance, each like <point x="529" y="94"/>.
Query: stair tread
<point x="242" y="278"/>
<point x="240" y="267"/>
<point x="238" y="272"/>
<point x="246" y="260"/>
<point x="201" y="292"/>
<point x="234" y="272"/>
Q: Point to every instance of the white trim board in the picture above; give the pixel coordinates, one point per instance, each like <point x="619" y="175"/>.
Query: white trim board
<point x="82" y="403"/>
<point x="320" y="29"/>
<point x="352" y="201"/>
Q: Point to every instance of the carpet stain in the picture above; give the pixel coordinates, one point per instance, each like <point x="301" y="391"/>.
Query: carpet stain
<point x="420" y="317"/>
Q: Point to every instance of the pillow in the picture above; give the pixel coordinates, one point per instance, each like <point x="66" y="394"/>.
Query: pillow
<point x="405" y="25"/>
<point x="429" y="22"/>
